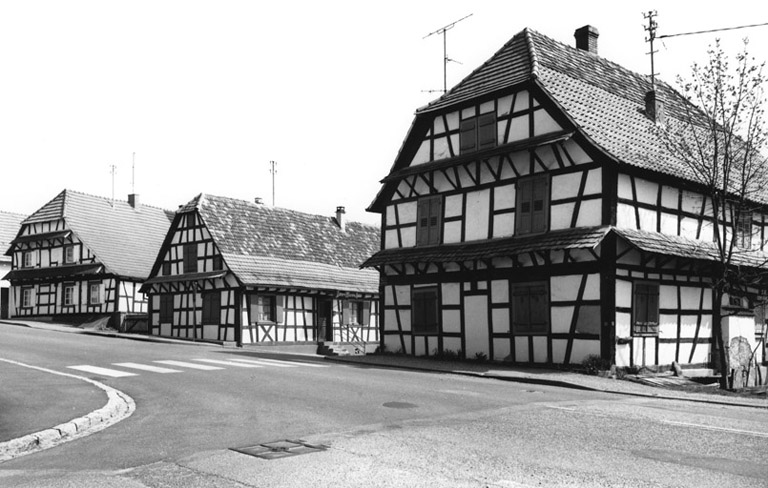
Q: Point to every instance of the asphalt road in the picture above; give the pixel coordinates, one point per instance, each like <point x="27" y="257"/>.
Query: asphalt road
<point x="383" y="427"/>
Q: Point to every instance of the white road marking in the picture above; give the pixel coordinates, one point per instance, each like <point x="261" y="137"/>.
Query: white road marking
<point x="102" y="371"/>
<point x="720" y="429"/>
<point x="561" y="408"/>
<point x="146" y="367"/>
<point x="229" y="363"/>
<point x="265" y="363"/>
<point x="183" y="364"/>
<point x="297" y="363"/>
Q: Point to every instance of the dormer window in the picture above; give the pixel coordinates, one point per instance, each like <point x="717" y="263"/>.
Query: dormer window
<point x="478" y="133"/>
<point x="28" y="259"/>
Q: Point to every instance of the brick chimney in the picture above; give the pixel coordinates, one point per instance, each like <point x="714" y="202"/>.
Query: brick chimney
<point x="340" y="211"/>
<point x="586" y="38"/>
<point x="654" y="108"/>
<point x="133" y="201"/>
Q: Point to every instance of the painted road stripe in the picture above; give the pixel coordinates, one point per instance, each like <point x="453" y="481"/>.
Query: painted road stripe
<point x="264" y="363"/>
<point x="229" y="363"/>
<point x="297" y="363"/>
<point x="719" y="429"/>
<point x="183" y="364"/>
<point x="102" y="371"/>
<point x="146" y="367"/>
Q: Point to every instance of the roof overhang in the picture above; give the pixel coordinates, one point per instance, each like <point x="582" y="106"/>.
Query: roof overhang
<point x="53" y="272"/>
<point x="44" y="236"/>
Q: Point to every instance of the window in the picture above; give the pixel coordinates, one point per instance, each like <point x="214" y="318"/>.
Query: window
<point x="190" y="258"/>
<point x="530" y="308"/>
<point x="28" y="259"/>
<point x="645" y="309"/>
<point x="69" y="295"/>
<point x="424" y="310"/>
<point x="166" y="308"/>
<point x="166" y="268"/>
<point x="217" y="262"/>
<point x="265" y="308"/>
<point x="478" y="133"/>
<point x="357" y="312"/>
<point x="94" y="293"/>
<point x="211" y="308"/>
<point x="532" y="206"/>
<point x="743" y="230"/>
<point x="428" y="220"/>
<point x="69" y="254"/>
<point x="27" y="297"/>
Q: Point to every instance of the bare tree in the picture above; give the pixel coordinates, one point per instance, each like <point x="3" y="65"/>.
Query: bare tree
<point x="719" y="139"/>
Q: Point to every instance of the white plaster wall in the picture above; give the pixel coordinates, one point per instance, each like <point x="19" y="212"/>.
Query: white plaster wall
<point x="477" y="215"/>
<point x="476" y="325"/>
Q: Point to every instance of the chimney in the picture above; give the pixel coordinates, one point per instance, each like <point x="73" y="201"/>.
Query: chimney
<point x="654" y="108"/>
<point x="133" y="201"/>
<point x="258" y="201"/>
<point x="586" y="38"/>
<point x="340" y="211"/>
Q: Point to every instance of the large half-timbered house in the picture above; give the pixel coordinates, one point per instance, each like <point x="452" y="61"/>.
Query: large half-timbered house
<point x="9" y="227"/>
<point x="527" y="218"/>
<point x="232" y="270"/>
<point x="83" y="257"/>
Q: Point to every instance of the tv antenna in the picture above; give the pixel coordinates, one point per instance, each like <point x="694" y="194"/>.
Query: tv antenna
<point x="113" y="170"/>
<point x="133" y="173"/>
<point x="273" y="170"/>
<point x="443" y="30"/>
<point x="651" y="28"/>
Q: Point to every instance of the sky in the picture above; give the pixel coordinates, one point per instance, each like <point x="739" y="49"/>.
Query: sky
<point x="200" y="96"/>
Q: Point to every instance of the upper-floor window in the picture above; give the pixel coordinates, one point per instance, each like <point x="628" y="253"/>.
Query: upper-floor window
<point x="743" y="230"/>
<point x="645" y="309"/>
<point x="530" y="308"/>
<point x="217" y="262"/>
<point x="166" y="268"/>
<point x="69" y="254"/>
<point x="478" y="133"/>
<point x="211" y="308"/>
<point x="532" y="207"/>
<point x="428" y="220"/>
<point x="28" y="259"/>
<point x="190" y="258"/>
<point x="424" y="311"/>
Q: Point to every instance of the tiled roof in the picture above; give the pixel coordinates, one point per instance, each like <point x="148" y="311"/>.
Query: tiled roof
<point x="10" y="224"/>
<point x="266" y="245"/>
<point x="605" y="100"/>
<point x="577" y="238"/>
<point x="125" y="240"/>
<point x="658" y="243"/>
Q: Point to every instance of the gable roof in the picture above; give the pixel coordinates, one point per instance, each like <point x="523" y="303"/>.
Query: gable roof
<point x="270" y="246"/>
<point x="124" y="239"/>
<point x="604" y="101"/>
<point x="10" y="224"/>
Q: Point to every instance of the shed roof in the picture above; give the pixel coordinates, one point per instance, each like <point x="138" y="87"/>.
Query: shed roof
<point x="10" y="223"/>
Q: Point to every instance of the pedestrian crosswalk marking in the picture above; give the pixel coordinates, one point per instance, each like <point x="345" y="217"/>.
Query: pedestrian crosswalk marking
<point x="146" y="367"/>
<point x="183" y="364"/>
<point x="102" y="371"/>
<point x="229" y="363"/>
<point x="297" y="363"/>
<point x="264" y="363"/>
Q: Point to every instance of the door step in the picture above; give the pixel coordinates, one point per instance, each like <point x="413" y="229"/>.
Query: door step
<point x="340" y="349"/>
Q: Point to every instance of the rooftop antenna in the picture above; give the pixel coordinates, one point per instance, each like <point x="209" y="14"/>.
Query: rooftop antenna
<point x="651" y="29"/>
<point x="113" y="170"/>
<point x="133" y="174"/>
<point x="273" y="170"/>
<point x="443" y="30"/>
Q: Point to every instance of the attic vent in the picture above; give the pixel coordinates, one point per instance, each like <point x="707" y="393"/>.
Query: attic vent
<point x="586" y="38"/>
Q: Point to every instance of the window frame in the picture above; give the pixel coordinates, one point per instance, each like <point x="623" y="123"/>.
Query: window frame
<point x="357" y="312"/>
<point x="28" y="259"/>
<point x="190" y="257"/>
<point x="742" y="230"/>
<point x="68" y="300"/>
<point x="478" y="132"/>
<point x="211" y="308"/>
<point x="99" y="298"/>
<point x="520" y="190"/>
<point x="27" y="297"/>
<point x="430" y="232"/>
<point x="258" y="306"/>
<point x="646" y="328"/>
<point x="66" y="258"/>
<point x="166" y="307"/>
<point x="428" y="298"/>
<point x="530" y="328"/>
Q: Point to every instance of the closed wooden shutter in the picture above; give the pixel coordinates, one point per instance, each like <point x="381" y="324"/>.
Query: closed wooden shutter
<point x="523" y="206"/>
<point x="532" y="206"/>
<point x="530" y="308"/>
<point x="539" y="204"/>
<point x="486" y="131"/>
<point x="366" y="319"/>
<point x="422" y="229"/>
<point x="429" y="220"/>
<point x="279" y="305"/>
<point x="190" y="258"/>
<point x="468" y="135"/>
<point x="646" y="309"/>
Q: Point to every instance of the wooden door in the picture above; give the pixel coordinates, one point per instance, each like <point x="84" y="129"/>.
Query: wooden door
<point x="324" y="320"/>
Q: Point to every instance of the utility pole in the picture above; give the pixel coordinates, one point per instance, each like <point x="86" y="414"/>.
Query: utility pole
<point x="442" y="30"/>
<point x="113" y="170"/>
<point x="273" y="170"/>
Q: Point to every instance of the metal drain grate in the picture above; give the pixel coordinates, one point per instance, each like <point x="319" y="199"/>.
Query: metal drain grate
<point x="280" y="449"/>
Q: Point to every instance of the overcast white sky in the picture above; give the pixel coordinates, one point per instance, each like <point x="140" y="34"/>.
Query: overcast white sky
<point x="206" y="93"/>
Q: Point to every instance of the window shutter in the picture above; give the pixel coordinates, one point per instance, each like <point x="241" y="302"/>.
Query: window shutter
<point x="486" y="131"/>
<point x="523" y="207"/>
<point x="279" y="309"/>
<point x="366" y="313"/>
<point x="435" y="216"/>
<point x="422" y="230"/>
<point x="520" y="309"/>
<point x="653" y="306"/>
<point x="539" y="204"/>
<point x="538" y="309"/>
<point x="468" y="135"/>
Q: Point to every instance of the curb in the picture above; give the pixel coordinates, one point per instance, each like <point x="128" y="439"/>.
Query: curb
<point x="546" y="382"/>
<point x="119" y="406"/>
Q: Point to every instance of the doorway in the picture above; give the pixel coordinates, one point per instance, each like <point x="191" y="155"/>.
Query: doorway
<point x="324" y="320"/>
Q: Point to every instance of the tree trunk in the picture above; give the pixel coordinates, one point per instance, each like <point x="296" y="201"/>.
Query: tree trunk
<point x="717" y="332"/>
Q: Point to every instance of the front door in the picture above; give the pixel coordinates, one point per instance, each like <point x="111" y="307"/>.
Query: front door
<point x="324" y="321"/>
<point x="3" y="303"/>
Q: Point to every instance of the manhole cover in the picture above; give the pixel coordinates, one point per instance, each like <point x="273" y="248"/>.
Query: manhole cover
<point x="280" y="449"/>
<point x="400" y="405"/>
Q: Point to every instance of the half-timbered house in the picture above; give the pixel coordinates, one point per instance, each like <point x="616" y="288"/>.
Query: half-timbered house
<point x="247" y="273"/>
<point x="528" y="217"/>
<point x="9" y="227"/>
<point x="83" y="258"/>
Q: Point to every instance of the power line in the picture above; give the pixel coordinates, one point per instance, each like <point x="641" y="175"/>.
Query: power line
<point x="712" y="30"/>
